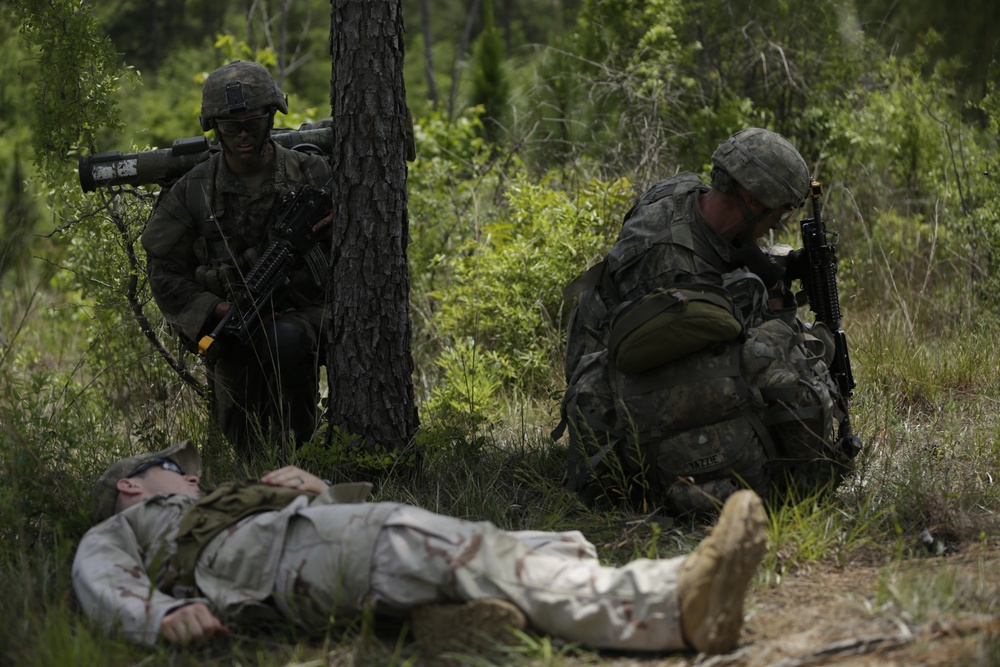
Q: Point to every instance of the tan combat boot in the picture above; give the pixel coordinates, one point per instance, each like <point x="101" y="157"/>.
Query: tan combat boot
<point x="715" y="577"/>
<point x="476" y="626"/>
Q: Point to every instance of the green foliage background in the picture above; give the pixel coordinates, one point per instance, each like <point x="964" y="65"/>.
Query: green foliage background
<point x="549" y="124"/>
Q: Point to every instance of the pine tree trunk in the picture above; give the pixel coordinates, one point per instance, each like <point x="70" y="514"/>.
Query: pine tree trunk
<point x="368" y="348"/>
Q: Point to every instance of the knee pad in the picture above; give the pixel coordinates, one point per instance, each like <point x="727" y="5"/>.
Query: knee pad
<point x="289" y="342"/>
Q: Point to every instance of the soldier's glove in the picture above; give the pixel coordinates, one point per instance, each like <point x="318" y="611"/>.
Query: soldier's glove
<point x="796" y="266"/>
<point x="755" y="259"/>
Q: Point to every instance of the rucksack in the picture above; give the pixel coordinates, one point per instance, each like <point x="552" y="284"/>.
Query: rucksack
<point x="635" y="436"/>
<point x="597" y="292"/>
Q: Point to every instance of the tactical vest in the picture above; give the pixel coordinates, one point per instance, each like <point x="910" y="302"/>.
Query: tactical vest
<point x="224" y="256"/>
<point x="224" y="507"/>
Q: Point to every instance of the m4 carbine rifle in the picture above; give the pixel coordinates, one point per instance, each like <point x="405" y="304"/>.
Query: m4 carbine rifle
<point x="268" y="281"/>
<point x="819" y="248"/>
<point x="165" y="165"/>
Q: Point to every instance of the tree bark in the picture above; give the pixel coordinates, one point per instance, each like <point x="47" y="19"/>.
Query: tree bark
<point x="369" y="363"/>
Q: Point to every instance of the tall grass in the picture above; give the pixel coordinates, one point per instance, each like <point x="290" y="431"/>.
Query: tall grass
<point x="925" y="408"/>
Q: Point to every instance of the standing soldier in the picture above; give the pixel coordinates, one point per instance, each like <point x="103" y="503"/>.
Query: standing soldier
<point x="209" y="229"/>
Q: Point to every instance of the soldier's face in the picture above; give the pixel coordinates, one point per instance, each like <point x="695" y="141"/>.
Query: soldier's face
<point x="244" y="138"/>
<point x="160" y="480"/>
<point x="769" y="222"/>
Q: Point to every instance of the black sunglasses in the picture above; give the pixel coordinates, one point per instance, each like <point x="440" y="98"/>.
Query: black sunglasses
<point x="235" y="125"/>
<point x="166" y="464"/>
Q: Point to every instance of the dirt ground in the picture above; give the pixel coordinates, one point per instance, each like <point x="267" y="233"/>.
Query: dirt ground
<point x="833" y="617"/>
<point x="836" y="616"/>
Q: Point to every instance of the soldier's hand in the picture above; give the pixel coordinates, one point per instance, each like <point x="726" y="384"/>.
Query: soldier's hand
<point x="191" y="623"/>
<point x="221" y="309"/>
<point x="754" y="258"/>
<point x="797" y="266"/>
<point x="325" y="227"/>
<point x="293" y="477"/>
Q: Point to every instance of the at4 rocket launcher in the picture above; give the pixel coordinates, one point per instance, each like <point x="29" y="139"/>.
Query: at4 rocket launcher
<point x="165" y="165"/>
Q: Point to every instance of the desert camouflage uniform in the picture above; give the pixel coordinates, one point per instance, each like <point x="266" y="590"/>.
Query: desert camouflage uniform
<point x="205" y="233"/>
<point x="322" y="561"/>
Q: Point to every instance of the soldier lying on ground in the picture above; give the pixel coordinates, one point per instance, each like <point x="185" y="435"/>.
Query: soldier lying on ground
<point x="166" y="561"/>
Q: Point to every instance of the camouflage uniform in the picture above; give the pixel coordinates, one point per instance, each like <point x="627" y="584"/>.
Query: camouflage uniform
<point x="699" y="429"/>
<point x="322" y="561"/>
<point x="686" y="251"/>
<point x="205" y="233"/>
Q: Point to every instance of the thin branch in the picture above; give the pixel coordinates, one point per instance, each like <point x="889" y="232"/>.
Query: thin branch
<point x="131" y="295"/>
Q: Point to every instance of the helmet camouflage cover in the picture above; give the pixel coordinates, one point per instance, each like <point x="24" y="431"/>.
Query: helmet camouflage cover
<point x="767" y="165"/>
<point x="239" y="86"/>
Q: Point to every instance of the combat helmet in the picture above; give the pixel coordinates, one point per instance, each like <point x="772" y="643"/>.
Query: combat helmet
<point x="104" y="493"/>
<point x="239" y="86"/>
<point x="767" y="165"/>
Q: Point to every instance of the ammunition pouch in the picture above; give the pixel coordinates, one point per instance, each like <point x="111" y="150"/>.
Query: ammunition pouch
<point x="669" y="324"/>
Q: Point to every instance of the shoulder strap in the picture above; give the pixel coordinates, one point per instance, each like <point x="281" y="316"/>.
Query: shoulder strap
<point x="681" y="229"/>
<point x="201" y="201"/>
<point x="592" y="277"/>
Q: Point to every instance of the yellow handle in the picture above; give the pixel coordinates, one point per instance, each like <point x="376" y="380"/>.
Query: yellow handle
<point x="204" y="344"/>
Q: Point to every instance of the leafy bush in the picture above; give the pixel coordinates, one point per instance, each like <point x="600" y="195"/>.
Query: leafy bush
<point x="506" y="286"/>
<point x="450" y="185"/>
